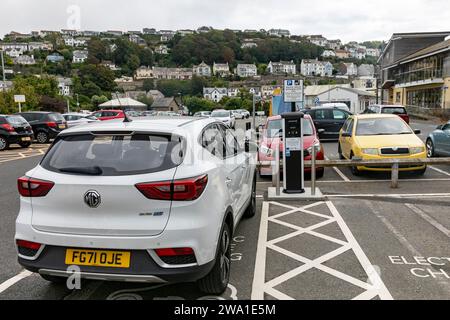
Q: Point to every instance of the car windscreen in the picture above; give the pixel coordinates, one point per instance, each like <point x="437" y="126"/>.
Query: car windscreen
<point x="382" y="126"/>
<point x="220" y="114"/>
<point x="392" y="110"/>
<point x="274" y="128"/>
<point x="56" y="117"/>
<point x="114" y="155"/>
<point x="16" y="120"/>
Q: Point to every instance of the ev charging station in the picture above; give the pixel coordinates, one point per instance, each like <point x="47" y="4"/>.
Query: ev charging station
<point x="293" y="153"/>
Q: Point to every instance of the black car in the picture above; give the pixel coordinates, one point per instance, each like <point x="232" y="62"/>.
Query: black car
<point x="46" y="125"/>
<point x="14" y="129"/>
<point x="328" y="121"/>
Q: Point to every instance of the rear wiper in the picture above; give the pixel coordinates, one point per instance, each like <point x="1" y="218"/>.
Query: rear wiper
<point x="93" y="171"/>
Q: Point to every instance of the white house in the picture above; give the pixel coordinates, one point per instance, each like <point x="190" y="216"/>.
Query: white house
<point x="13" y="53"/>
<point x="221" y="69"/>
<point x="328" y="54"/>
<point x="46" y="46"/>
<point x="233" y="92"/>
<point x="366" y="70"/>
<point x="80" y="56"/>
<point x="282" y="67"/>
<point x="279" y="33"/>
<point x="249" y="45"/>
<point x="162" y="49"/>
<point x="215" y="94"/>
<point x="25" y="60"/>
<point x="373" y="52"/>
<point x="356" y="99"/>
<point x="202" y="70"/>
<point x="267" y="91"/>
<point x="316" y="68"/>
<point x="64" y="85"/>
<point x="318" y="40"/>
<point x="349" y="69"/>
<point x="246" y="70"/>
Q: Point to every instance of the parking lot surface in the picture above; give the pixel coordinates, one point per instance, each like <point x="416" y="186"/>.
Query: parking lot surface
<point x="366" y="241"/>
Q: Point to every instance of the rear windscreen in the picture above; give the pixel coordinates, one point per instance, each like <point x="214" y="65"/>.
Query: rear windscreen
<point x="56" y="117"/>
<point x="16" y="120"/>
<point x="114" y="155"/>
<point x="393" y="110"/>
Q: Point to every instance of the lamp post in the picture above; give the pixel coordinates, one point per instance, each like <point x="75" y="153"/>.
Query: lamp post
<point x="3" y="71"/>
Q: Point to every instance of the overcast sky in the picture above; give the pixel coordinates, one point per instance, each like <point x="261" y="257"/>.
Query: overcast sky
<point x="345" y="19"/>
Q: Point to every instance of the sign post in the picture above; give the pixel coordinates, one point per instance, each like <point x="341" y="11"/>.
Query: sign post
<point x="19" y="99"/>
<point x="293" y="92"/>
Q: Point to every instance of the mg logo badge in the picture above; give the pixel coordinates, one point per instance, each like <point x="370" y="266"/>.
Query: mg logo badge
<point x="395" y="148"/>
<point x="92" y="198"/>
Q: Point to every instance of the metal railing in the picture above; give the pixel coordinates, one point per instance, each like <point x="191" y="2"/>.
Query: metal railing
<point x="395" y="164"/>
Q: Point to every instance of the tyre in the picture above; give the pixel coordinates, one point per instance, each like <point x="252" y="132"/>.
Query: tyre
<point x="25" y="144"/>
<point x="42" y="137"/>
<point x="430" y="149"/>
<point x="421" y="172"/>
<point x="251" y="209"/>
<point x="4" y="144"/>
<point x="354" y="170"/>
<point x="53" y="279"/>
<point x="320" y="174"/>
<point x="341" y="156"/>
<point x="216" y="281"/>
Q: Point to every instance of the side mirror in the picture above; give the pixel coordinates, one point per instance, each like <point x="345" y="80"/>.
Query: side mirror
<point x="346" y="135"/>
<point x="417" y="131"/>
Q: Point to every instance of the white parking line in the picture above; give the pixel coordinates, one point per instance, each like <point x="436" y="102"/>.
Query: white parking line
<point x="12" y="281"/>
<point x="339" y="172"/>
<point x="389" y="195"/>
<point x="374" y="287"/>
<point x="439" y="170"/>
<point x="426" y="217"/>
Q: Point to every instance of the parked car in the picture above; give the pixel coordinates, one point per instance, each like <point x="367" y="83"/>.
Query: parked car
<point x="76" y="119"/>
<point x="45" y="125"/>
<point x="148" y="113"/>
<point x="388" y="109"/>
<point x="237" y="114"/>
<point x="328" y="121"/>
<point x="336" y="105"/>
<point x="14" y="129"/>
<point x="380" y="136"/>
<point x="153" y="200"/>
<point x="245" y="113"/>
<point x="438" y="142"/>
<point x="205" y="114"/>
<point x="104" y="115"/>
<point x="272" y="136"/>
<point x="225" y="116"/>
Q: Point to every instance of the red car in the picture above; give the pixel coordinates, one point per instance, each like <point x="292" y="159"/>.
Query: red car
<point x="389" y="109"/>
<point x="103" y="115"/>
<point x="271" y="136"/>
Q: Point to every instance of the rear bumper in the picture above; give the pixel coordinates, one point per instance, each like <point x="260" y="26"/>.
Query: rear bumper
<point x="143" y="268"/>
<point x="16" y="138"/>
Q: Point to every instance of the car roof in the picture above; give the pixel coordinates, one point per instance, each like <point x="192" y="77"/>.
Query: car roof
<point x="387" y="105"/>
<point x="162" y="124"/>
<point x="272" y="118"/>
<point x="374" y="116"/>
<point x="41" y="112"/>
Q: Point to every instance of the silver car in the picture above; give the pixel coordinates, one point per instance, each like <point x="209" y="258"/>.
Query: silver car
<point x="76" y="119"/>
<point x="438" y="142"/>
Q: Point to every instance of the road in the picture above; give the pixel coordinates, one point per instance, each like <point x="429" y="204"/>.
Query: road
<point x="366" y="242"/>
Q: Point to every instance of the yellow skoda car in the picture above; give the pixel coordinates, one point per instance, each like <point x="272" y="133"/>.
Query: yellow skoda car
<point x="378" y="136"/>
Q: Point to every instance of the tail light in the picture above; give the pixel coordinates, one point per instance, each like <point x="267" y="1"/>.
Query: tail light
<point x="51" y="124"/>
<point x="29" y="187"/>
<point x="28" y="245"/>
<point x="172" y="252"/>
<point x="7" y="127"/>
<point x="178" y="190"/>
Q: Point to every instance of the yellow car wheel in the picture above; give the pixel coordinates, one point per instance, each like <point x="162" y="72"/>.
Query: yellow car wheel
<point x="354" y="170"/>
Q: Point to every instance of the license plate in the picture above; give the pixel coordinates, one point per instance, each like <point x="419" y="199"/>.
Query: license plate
<point x="98" y="258"/>
<point x="26" y="139"/>
<point x="62" y="126"/>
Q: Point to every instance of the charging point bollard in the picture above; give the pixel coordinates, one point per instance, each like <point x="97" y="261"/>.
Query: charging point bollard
<point x="293" y="153"/>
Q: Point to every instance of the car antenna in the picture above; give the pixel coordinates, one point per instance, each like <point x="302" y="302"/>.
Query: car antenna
<point x="126" y="119"/>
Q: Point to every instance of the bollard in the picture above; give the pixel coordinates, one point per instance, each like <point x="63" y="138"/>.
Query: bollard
<point x="394" y="176"/>
<point x="277" y="164"/>
<point x="313" y="171"/>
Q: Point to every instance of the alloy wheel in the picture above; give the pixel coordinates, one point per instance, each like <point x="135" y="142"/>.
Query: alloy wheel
<point x="430" y="149"/>
<point x="41" y="137"/>
<point x="2" y="143"/>
<point x="225" y="260"/>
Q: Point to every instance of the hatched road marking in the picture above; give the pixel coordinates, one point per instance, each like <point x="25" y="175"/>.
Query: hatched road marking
<point x="372" y="288"/>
